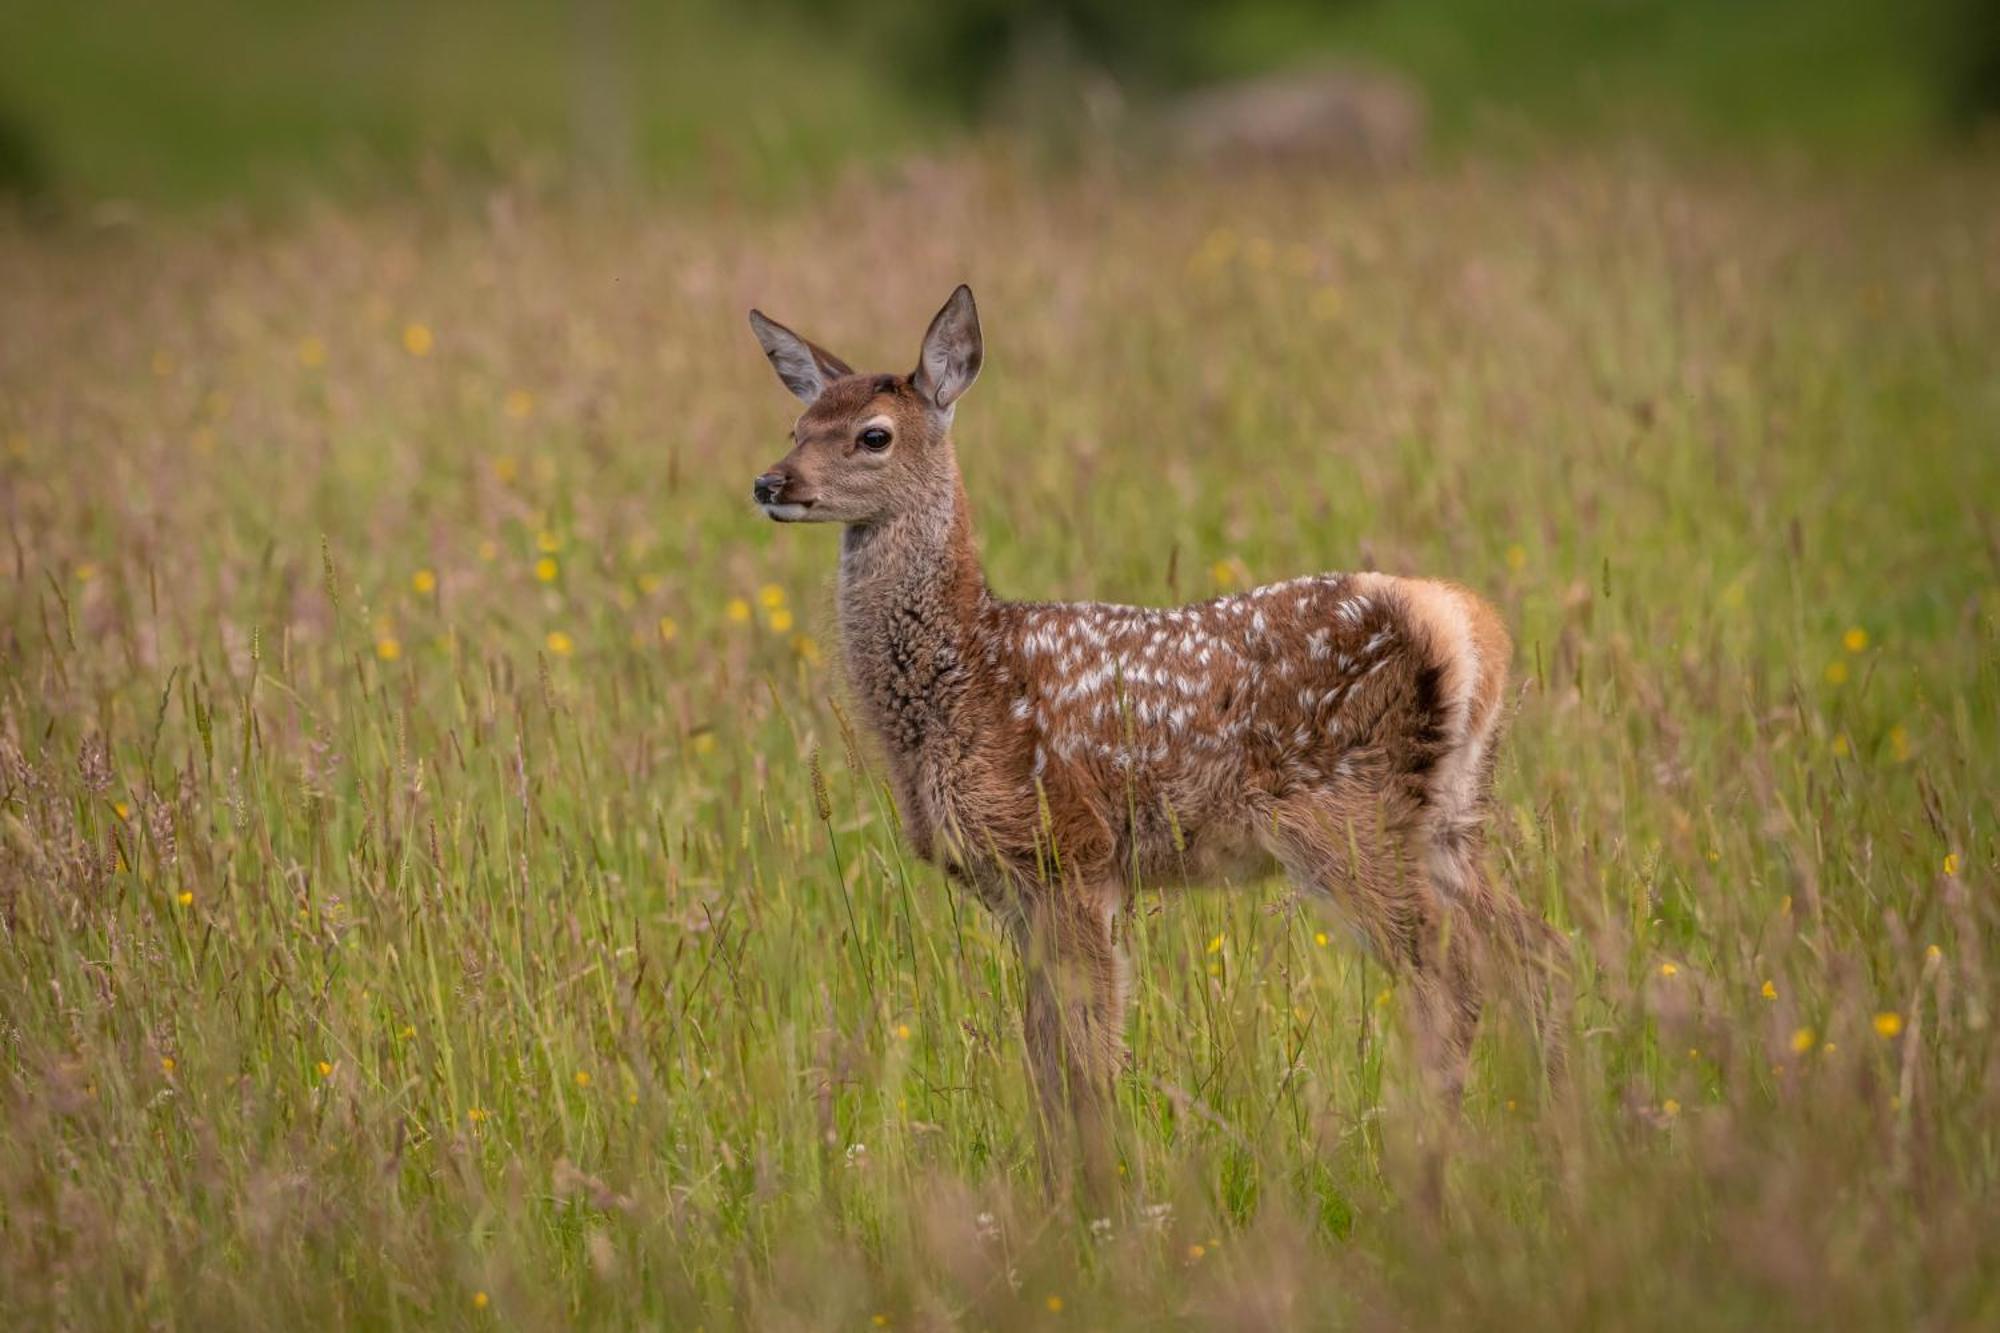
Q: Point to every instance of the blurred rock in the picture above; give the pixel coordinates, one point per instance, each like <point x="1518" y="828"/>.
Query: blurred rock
<point x="1333" y="116"/>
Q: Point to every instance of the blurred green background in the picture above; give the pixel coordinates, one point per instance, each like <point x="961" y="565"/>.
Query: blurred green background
<point x="210" y="100"/>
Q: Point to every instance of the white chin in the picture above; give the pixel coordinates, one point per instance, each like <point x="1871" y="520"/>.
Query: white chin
<point x="787" y="513"/>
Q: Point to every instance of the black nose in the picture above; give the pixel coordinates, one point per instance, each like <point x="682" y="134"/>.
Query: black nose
<point x="767" y="488"/>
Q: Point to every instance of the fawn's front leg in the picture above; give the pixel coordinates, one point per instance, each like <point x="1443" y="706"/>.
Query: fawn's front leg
<point x="1075" y="973"/>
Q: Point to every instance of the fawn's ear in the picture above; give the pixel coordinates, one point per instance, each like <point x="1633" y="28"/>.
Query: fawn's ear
<point x="952" y="351"/>
<point x="804" y="367"/>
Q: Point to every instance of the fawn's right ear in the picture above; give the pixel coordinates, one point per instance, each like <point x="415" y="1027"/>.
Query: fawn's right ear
<point x="804" y="367"/>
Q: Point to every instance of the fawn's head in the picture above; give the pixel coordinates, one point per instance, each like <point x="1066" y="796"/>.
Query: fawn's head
<point x="868" y="447"/>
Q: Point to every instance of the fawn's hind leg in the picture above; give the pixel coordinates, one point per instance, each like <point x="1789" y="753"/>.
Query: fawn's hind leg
<point x="1517" y="946"/>
<point x="1373" y="870"/>
<point x="1076" y="982"/>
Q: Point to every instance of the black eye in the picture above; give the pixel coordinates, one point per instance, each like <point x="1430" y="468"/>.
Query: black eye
<point x="875" y="438"/>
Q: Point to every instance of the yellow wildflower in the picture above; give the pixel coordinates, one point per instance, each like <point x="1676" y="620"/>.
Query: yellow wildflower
<point x="1951" y="863"/>
<point x="186" y="898"/>
<point x="738" y="611"/>
<point x="649" y="583"/>
<point x="325" y="1069"/>
<point x="770" y="597"/>
<point x="807" y="648"/>
<point x="546" y="570"/>
<point x="902" y="1032"/>
<point x="1932" y="954"/>
<point x="1899" y="743"/>
<point x="505" y="468"/>
<point x="122" y="810"/>
<point x="312" y="352"/>
<point x="1836" y="673"/>
<point x="781" y="621"/>
<point x="560" y="643"/>
<point x="475" y="1114"/>
<point x="582" y="1078"/>
<point x="1855" y="640"/>
<point x="1054" y="1304"/>
<point x="479" y="1300"/>
<point x="417" y="340"/>
<point x="1888" y="1023"/>
<point x="424" y="582"/>
<point x="1223" y="573"/>
<point x="1215" y="945"/>
<point x="388" y="648"/>
<point x="1382" y="998"/>
<point x="85" y="572"/>
<point x="1517" y="557"/>
<point x="489" y="549"/>
<point x="1670" y="969"/>
<point x="704" y="742"/>
<point x="1196" y="1251"/>
<point x="1841" y="746"/>
<point x="547" y="542"/>
<point x="1671" y="1107"/>
<point x="1769" y="991"/>
<point x="1319" y="938"/>
<point x="1802" y="1041"/>
<point x="881" y="1321"/>
<point x="1217" y="249"/>
<point x="518" y="404"/>
<point x="669" y="629"/>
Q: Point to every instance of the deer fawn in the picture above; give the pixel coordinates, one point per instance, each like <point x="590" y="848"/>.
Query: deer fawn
<point x="1055" y="756"/>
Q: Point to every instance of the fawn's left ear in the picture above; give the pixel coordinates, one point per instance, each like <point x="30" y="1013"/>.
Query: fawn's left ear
<point x="952" y="352"/>
<point x="805" y="367"/>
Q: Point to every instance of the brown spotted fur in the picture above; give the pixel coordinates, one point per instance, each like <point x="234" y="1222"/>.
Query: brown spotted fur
<point x="1056" y="757"/>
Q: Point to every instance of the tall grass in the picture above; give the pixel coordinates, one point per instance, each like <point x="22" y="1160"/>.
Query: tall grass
<point x="417" y="909"/>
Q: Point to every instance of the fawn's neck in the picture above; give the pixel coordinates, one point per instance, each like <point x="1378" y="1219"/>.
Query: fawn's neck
<point x="911" y="597"/>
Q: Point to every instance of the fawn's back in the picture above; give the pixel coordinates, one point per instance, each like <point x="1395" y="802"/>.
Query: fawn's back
<point x="1181" y="730"/>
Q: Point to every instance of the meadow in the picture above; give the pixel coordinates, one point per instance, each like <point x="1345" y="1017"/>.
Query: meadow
<point x="439" y="884"/>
